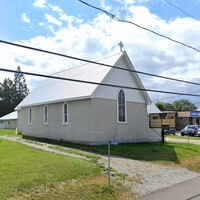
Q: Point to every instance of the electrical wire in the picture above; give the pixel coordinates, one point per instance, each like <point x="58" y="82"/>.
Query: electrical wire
<point x="172" y="97"/>
<point x="97" y="63"/>
<point x="181" y="10"/>
<point x="95" y="83"/>
<point x="114" y="17"/>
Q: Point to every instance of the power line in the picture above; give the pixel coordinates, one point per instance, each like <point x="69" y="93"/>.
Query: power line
<point x="95" y="83"/>
<point x="181" y="10"/>
<point x="96" y="63"/>
<point x="114" y="17"/>
<point x="172" y="97"/>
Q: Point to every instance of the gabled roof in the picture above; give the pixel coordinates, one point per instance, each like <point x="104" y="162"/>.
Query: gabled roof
<point x="9" y="116"/>
<point x="54" y="90"/>
<point x="152" y="108"/>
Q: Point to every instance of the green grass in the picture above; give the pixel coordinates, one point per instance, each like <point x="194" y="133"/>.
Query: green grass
<point x="8" y="132"/>
<point x="90" y="156"/>
<point x="28" y="173"/>
<point x="178" y="154"/>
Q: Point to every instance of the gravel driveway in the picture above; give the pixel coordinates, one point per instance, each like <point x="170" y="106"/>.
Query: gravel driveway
<point x="145" y="177"/>
<point x="142" y="177"/>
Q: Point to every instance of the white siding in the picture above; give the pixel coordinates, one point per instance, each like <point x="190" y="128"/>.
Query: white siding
<point x="76" y="130"/>
<point x="121" y="78"/>
<point x="8" y="124"/>
<point x="104" y="126"/>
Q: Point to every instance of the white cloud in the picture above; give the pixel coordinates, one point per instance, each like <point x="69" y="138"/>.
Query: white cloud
<point x="41" y="24"/>
<point x="105" y="6"/>
<point x="56" y="8"/>
<point x="53" y="20"/>
<point x="100" y="37"/>
<point x="40" y="3"/>
<point x="126" y="2"/>
<point x="25" y="18"/>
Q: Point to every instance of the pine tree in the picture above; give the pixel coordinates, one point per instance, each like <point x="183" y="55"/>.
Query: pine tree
<point x="12" y="92"/>
<point x="20" y="86"/>
<point x="6" y="95"/>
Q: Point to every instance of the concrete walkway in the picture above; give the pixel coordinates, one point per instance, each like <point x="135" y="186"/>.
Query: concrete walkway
<point x="187" y="190"/>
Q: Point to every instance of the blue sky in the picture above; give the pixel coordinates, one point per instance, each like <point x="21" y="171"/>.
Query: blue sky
<point x="72" y="28"/>
<point x="13" y="12"/>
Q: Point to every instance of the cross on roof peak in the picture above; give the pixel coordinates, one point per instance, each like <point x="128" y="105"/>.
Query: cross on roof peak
<point x="121" y="46"/>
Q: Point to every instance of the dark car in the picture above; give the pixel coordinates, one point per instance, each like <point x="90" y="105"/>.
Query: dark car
<point x="170" y="131"/>
<point x="190" y="130"/>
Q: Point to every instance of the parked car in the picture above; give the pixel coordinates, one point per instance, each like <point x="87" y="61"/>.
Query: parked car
<point x="191" y="130"/>
<point x="170" y="131"/>
<point x="198" y="132"/>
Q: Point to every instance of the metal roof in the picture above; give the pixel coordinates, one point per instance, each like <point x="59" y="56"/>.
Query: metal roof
<point x="9" y="116"/>
<point x="54" y="90"/>
<point x="152" y="108"/>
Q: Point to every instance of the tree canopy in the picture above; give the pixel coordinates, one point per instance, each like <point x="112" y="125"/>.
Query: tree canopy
<point x="12" y="92"/>
<point x="178" y="105"/>
<point x="20" y="86"/>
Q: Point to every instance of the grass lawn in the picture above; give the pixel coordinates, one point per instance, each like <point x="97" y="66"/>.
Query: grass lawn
<point x="28" y="173"/>
<point x="8" y="132"/>
<point x="168" y="154"/>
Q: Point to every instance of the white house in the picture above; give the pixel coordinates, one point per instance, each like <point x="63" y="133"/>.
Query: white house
<point x="9" y="121"/>
<point x="88" y="113"/>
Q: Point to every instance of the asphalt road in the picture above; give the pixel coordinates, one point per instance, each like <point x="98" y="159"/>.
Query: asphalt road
<point x="183" y="140"/>
<point x="187" y="190"/>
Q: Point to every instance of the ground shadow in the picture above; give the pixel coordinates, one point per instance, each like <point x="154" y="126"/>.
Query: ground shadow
<point x="138" y="151"/>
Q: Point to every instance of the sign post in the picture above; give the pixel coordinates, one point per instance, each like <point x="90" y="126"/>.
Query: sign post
<point x="110" y="142"/>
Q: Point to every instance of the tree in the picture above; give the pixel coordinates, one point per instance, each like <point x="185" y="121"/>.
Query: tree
<point x="160" y="105"/>
<point x="7" y="100"/>
<point x="165" y="106"/>
<point x="169" y="106"/>
<point x="12" y="92"/>
<point x="20" y="86"/>
<point x="184" y="105"/>
<point x="179" y="105"/>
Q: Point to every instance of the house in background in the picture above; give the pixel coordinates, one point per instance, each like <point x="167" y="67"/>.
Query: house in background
<point x="174" y="119"/>
<point x="89" y="113"/>
<point x="9" y="121"/>
<point x="153" y="110"/>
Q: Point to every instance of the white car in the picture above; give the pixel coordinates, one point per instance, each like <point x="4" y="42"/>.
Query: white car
<point x="198" y="132"/>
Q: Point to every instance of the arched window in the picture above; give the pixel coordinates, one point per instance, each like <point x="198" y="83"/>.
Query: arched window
<point x="121" y="107"/>
<point x="45" y="115"/>
<point x="30" y="116"/>
<point x="65" y="113"/>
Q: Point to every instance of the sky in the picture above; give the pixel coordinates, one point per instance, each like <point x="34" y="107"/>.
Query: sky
<point x="69" y="27"/>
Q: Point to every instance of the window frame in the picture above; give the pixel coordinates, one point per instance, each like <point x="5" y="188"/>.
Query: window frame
<point x="30" y="116"/>
<point x="45" y="115"/>
<point x="124" y="105"/>
<point x="65" y="114"/>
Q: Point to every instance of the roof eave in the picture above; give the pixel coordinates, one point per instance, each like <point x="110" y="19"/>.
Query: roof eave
<point x="51" y="102"/>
